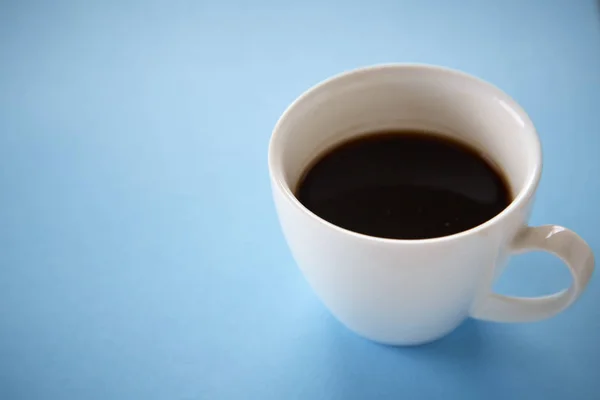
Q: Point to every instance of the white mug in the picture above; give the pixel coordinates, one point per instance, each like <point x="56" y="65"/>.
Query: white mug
<point x="406" y="292"/>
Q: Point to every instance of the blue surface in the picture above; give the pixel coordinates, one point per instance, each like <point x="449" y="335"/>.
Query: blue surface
<point x="140" y="255"/>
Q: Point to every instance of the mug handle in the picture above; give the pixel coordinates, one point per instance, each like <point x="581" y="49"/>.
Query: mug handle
<point x="563" y="243"/>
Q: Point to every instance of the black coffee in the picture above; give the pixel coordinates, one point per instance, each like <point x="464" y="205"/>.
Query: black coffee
<point x="403" y="185"/>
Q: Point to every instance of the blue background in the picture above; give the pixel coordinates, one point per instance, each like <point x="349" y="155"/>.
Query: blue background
<point x="140" y="255"/>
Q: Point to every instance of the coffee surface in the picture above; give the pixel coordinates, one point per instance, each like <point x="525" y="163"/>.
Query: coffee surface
<point x="403" y="185"/>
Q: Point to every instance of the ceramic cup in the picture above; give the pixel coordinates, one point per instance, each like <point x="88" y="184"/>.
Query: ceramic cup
<point x="406" y="292"/>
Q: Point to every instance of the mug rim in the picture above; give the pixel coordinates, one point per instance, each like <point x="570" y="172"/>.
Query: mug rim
<point x="526" y="192"/>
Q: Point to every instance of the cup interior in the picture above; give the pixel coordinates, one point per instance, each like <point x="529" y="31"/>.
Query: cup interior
<point x="424" y="98"/>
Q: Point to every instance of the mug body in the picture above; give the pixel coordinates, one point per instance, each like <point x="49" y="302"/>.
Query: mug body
<point x="402" y="291"/>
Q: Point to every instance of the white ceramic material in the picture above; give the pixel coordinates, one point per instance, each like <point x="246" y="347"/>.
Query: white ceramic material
<point x="413" y="291"/>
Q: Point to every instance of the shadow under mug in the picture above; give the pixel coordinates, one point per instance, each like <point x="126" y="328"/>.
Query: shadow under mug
<point x="408" y="292"/>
